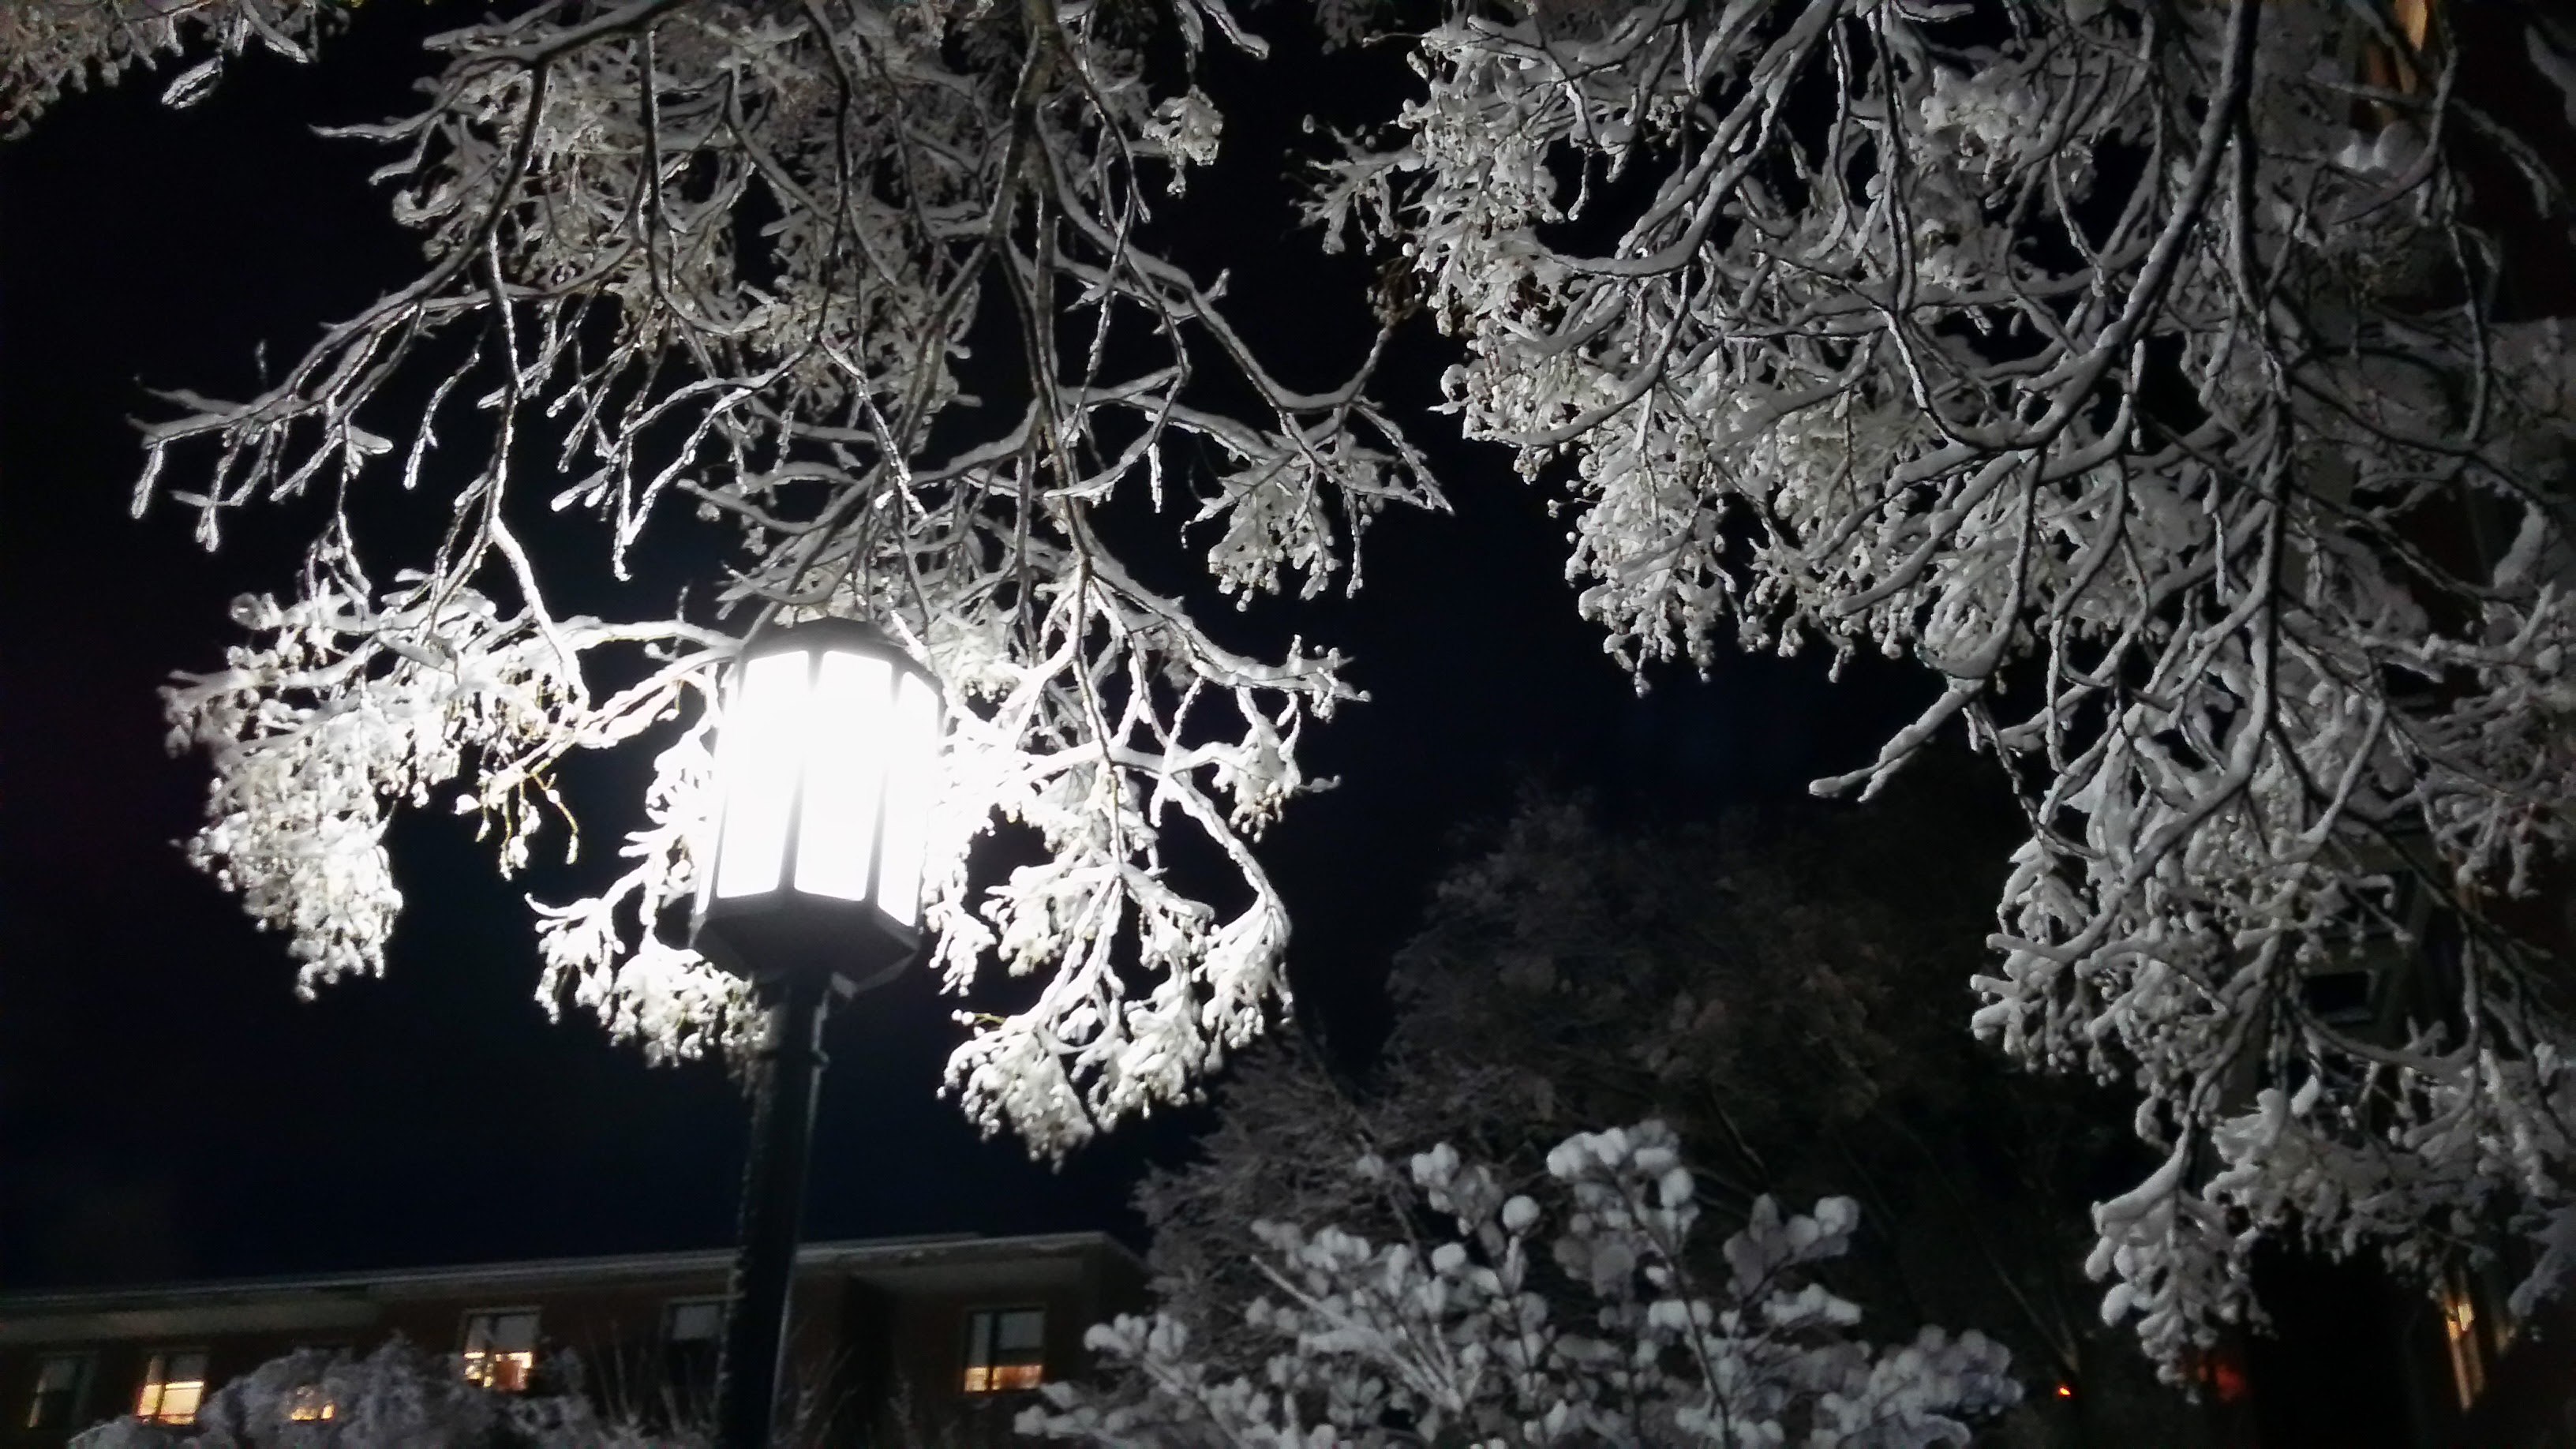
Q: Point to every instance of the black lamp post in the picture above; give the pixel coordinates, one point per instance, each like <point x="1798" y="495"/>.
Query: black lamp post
<point x="813" y="891"/>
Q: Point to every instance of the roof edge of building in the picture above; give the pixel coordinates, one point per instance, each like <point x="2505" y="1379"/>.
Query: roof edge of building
<point x="397" y="1283"/>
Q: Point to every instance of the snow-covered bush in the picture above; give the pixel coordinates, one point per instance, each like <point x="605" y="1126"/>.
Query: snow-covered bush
<point x="397" y="1397"/>
<point x="1577" y="1315"/>
<point x="1761" y="986"/>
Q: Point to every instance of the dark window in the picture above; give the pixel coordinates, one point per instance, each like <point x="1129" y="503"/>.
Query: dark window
<point x="2340" y="997"/>
<point x="692" y="1335"/>
<point x="55" y="1403"/>
<point x="1005" y="1349"/>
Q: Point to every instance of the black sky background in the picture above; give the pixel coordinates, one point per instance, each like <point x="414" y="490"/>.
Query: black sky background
<point x="168" y="1109"/>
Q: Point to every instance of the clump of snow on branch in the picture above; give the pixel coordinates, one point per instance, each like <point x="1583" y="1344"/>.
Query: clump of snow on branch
<point x="2089" y="356"/>
<point x="704" y="277"/>
<point x="1577" y="1319"/>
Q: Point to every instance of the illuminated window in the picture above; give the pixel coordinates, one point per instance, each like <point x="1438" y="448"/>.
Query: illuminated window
<point x="311" y="1404"/>
<point x="2389" y="69"/>
<point x="2460" y="1333"/>
<point x="1005" y="1349"/>
<point x="174" y="1383"/>
<point x="501" y="1348"/>
<point x="56" y="1400"/>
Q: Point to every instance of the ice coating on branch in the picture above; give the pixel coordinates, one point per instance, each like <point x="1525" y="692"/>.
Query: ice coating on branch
<point x="2100" y="366"/>
<point x="49" y="48"/>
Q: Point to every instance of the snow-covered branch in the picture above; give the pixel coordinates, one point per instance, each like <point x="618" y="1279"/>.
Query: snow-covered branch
<point x="868" y="293"/>
<point x="51" y="47"/>
<point x="2139" y="371"/>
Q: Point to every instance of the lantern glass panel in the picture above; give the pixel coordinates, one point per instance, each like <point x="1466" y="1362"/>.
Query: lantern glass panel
<point x="908" y="797"/>
<point x="761" y="755"/>
<point x="845" y="754"/>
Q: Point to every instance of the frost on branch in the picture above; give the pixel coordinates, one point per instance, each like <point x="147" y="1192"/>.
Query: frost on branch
<point x="865" y="300"/>
<point x="50" y="47"/>
<point x="2088" y="355"/>
<point x="1579" y="1320"/>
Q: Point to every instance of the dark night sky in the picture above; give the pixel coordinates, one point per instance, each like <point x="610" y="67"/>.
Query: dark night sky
<point x="168" y="1109"/>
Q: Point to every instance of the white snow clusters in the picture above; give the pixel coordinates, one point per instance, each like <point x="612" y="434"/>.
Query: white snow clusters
<point x="1470" y="1333"/>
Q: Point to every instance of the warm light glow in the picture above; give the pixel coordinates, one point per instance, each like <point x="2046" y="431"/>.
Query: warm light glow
<point x="915" y="741"/>
<point x="2415" y="19"/>
<point x="1000" y="1378"/>
<point x="309" y="1405"/>
<point x="2066" y="1391"/>
<point x="500" y="1349"/>
<point x="174" y="1384"/>
<point x="1005" y="1350"/>
<point x="758" y="770"/>
<point x="847" y="730"/>
<point x="2459" y="1329"/>
<point x="506" y="1372"/>
<point x="2226" y="1377"/>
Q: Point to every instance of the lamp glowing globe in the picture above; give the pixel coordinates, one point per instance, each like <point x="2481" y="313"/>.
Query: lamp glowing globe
<point x="825" y="765"/>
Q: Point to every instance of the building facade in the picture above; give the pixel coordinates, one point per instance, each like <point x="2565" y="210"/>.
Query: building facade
<point x="891" y="1341"/>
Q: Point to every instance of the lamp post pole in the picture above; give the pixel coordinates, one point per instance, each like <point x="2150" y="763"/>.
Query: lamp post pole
<point x="809" y="888"/>
<point x="794" y="1009"/>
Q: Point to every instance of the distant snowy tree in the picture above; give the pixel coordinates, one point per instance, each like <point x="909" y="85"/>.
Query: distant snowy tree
<point x="1458" y="1333"/>
<point x="1783" y="993"/>
<point x="2144" y="371"/>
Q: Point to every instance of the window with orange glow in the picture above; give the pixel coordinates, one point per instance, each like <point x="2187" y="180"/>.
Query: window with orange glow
<point x="1005" y="1349"/>
<point x="174" y="1384"/>
<point x="2384" y="66"/>
<point x="2460" y="1334"/>
<point x="501" y="1348"/>
<point x="309" y="1404"/>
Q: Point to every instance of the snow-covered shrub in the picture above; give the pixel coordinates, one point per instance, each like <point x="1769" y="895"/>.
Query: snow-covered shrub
<point x="398" y="1397"/>
<point x="1507" y="1321"/>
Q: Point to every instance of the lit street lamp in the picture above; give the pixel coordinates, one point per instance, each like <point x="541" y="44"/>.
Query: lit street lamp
<point x="823" y="780"/>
